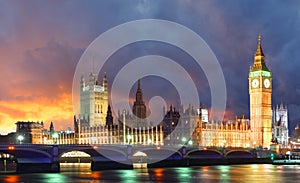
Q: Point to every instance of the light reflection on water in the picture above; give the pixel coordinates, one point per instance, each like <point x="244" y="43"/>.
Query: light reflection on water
<point x="223" y="173"/>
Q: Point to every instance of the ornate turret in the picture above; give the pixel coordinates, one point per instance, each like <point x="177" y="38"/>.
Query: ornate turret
<point x="93" y="79"/>
<point x="139" y="94"/>
<point x="51" y="128"/>
<point x="109" y="117"/>
<point x="82" y="82"/>
<point x="139" y="107"/>
<point x="105" y="82"/>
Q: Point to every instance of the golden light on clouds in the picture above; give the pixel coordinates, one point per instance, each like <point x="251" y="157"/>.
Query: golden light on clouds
<point x="60" y="111"/>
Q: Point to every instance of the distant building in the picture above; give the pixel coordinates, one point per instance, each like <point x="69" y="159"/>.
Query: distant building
<point x="179" y="126"/>
<point x="244" y="132"/>
<point x="294" y="141"/>
<point x="227" y="133"/>
<point x="30" y="132"/>
<point x="10" y="138"/>
<point x="130" y="128"/>
<point x="137" y="118"/>
<point x="170" y="123"/>
<point x="58" y="137"/>
<point x="280" y="126"/>
<point x="93" y="101"/>
<point x="296" y="133"/>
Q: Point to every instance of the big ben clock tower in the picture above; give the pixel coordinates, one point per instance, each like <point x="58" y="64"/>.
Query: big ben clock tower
<point x="260" y="91"/>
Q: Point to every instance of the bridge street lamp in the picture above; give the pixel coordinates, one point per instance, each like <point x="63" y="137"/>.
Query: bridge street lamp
<point x="224" y="143"/>
<point x="129" y="137"/>
<point x="55" y="137"/>
<point x="183" y="139"/>
<point x="20" y="138"/>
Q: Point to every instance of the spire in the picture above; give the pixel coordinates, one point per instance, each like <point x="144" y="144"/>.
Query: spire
<point x="105" y="82"/>
<point x="82" y="82"/>
<point x="109" y="117"/>
<point x="139" y="85"/>
<point x="51" y="128"/>
<point x="139" y="93"/>
<point x="92" y="79"/>
<point x="259" y="58"/>
<point x="281" y="105"/>
<point x="259" y="51"/>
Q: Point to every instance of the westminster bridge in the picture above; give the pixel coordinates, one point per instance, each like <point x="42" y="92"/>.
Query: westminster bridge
<point x="45" y="158"/>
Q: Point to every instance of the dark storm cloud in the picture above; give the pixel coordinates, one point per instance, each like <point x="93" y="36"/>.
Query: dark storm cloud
<point x="51" y="66"/>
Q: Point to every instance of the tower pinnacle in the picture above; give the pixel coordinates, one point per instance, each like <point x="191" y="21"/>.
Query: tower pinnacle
<point x="259" y="51"/>
<point x="139" y="93"/>
<point x="259" y="58"/>
<point x="139" y="85"/>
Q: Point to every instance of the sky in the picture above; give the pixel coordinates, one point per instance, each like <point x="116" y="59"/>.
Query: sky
<point x="41" y="43"/>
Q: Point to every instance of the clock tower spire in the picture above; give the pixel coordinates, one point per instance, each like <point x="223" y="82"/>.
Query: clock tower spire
<point x="260" y="91"/>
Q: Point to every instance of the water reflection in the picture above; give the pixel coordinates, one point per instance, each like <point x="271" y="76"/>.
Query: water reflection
<point x="11" y="179"/>
<point x="75" y="167"/>
<point x="233" y="173"/>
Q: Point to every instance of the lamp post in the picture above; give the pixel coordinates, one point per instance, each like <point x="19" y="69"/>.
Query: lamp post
<point x="254" y="145"/>
<point x="55" y="137"/>
<point x="149" y="141"/>
<point x="129" y="137"/>
<point x="183" y="139"/>
<point x="224" y="143"/>
<point x="20" y="138"/>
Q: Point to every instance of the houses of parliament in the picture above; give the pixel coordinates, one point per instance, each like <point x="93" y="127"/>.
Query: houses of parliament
<point x="190" y="126"/>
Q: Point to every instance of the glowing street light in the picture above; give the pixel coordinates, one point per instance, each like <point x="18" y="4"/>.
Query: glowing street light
<point x="224" y="143"/>
<point x="129" y="137"/>
<point x="20" y="138"/>
<point x="190" y="142"/>
<point x="55" y="137"/>
<point x="183" y="139"/>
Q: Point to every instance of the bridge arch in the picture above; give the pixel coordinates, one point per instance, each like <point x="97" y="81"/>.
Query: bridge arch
<point x="159" y="153"/>
<point x="98" y="152"/>
<point x="204" y="154"/>
<point x="239" y="154"/>
<point x="28" y="155"/>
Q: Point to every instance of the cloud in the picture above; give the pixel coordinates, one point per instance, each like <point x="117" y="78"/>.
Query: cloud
<point x="41" y="43"/>
<point x="40" y="89"/>
<point x="40" y="109"/>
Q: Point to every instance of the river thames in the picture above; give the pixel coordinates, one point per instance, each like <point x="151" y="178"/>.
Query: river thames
<point x="223" y="173"/>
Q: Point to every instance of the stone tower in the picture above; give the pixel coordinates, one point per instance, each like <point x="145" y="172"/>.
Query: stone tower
<point x="139" y="107"/>
<point x="260" y="91"/>
<point x="109" y="117"/>
<point x="280" y="126"/>
<point x="93" y="100"/>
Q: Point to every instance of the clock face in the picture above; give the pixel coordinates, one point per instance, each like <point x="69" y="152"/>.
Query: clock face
<point x="255" y="83"/>
<point x="267" y="83"/>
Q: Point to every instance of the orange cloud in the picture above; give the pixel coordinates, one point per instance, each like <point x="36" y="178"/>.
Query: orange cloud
<point x="60" y="111"/>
